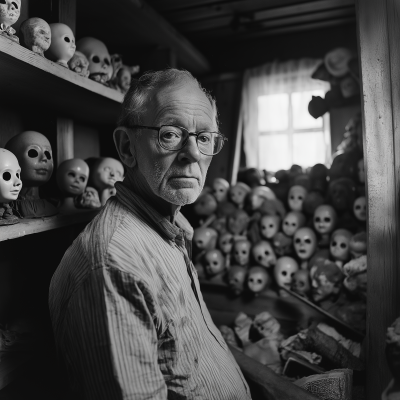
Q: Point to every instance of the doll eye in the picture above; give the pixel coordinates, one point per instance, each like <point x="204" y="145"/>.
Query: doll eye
<point x="6" y="176"/>
<point x="293" y="223"/>
<point x="343" y="245"/>
<point x="243" y="251"/>
<point x="67" y="39"/>
<point x="82" y="179"/>
<point x="17" y="174"/>
<point x="215" y="262"/>
<point x="71" y="174"/>
<point x="308" y="241"/>
<point x="259" y="281"/>
<point x="327" y="219"/>
<point x="334" y="243"/>
<point x="32" y="153"/>
<point x="291" y="275"/>
<point x="358" y="207"/>
<point x="284" y="273"/>
<point x="96" y="59"/>
<point x="266" y="253"/>
<point x="297" y="240"/>
<point x="317" y="219"/>
<point x="271" y="225"/>
<point x="300" y="198"/>
<point x="14" y="4"/>
<point x="47" y="154"/>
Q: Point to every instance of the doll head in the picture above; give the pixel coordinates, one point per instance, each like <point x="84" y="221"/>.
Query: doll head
<point x="292" y="222"/>
<point x="205" y="238"/>
<point x="284" y="270"/>
<point x="10" y="177"/>
<point x="79" y="64"/>
<point x="88" y="199"/>
<point x="257" y="196"/>
<point x="34" y="155"/>
<point x="282" y="244"/>
<point x="257" y="279"/>
<point x="301" y="282"/>
<point x="269" y="226"/>
<point x="318" y="177"/>
<point x="361" y="171"/>
<point x="327" y="281"/>
<point x="238" y="222"/>
<point x="263" y="254"/>
<point x="236" y="279"/>
<point x="312" y="201"/>
<point x="320" y="255"/>
<point x="37" y="35"/>
<point x="9" y="11"/>
<point x="225" y="242"/>
<point x="360" y="208"/>
<point x="241" y="252"/>
<point x="213" y="262"/>
<point x="72" y="176"/>
<point x="296" y="196"/>
<point x="325" y="218"/>
<point x="220" y="188"/>
<point x="62" y="46"/>
<point x="339" y="244"/>
<point x="305" y="243"/>
<point x="358" y="245"/>
<point x="99" y="58"/>
<point x="104" y="172"/>
<point x="266" y="325"/>
<point x="205" y="205"/>
<point x="238" y="193"/>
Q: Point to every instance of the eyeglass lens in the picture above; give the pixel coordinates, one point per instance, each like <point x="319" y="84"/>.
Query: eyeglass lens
<point x="174" y="138"/>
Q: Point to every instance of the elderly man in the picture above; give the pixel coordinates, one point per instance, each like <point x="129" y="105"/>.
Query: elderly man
<point x="127" y="312"/>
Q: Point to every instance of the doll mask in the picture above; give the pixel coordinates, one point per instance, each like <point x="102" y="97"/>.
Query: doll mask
<point x="236" y="279"/>
<point x="205" y="205"/>
<point x="213" y="262"/>
<point x="324" y="219"/>
<point x="296" y="196"/>
<point x="263" y="254"/>
<point x="237" y="222"/>
<point x="10" y="173"/>
<point x="62" y="46"/>
<point x="238" y="193"/>
<point x="9" y="14"/>
<point x="339" y="245"/>
<point x="241" y="252"/>
<point x="292" y="222"/>
<point x="257" y="279"/>
<point x="106" y="172"/>
<point x="220" y="189"/>
<point x="37" y="35"/>
<point x="360" y="208"/>
<point x="269" y="226"/>
<point x="72" y="177"/>
<point x="205" y="238"/>
<point x="301" y="283"/>
<point x="305" y="243"/>
<point x="284" y="270"/>
<point x="225" y="242"/>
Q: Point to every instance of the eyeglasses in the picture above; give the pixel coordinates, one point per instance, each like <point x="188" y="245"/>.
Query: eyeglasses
<point x="174" y="138"/>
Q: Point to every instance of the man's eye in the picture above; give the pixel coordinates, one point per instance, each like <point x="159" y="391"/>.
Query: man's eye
<point x="170" y="135"/>
<point x="204" y="138"/>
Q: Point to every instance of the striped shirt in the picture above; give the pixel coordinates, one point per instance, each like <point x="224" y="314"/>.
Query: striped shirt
<point x="128" y="316"/>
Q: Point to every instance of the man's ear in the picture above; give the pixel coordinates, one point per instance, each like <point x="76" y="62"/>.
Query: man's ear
<point x="124" y="145"/>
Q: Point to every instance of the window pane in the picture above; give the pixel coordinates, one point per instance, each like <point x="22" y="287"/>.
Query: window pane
<point x="274" y="153"/>
<point x="301" y="117"/>
<point x="308" y="149"/>
<point x="273" y="112"/>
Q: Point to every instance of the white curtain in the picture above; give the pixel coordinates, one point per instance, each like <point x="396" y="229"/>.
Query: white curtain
<point x="271" y="78"/>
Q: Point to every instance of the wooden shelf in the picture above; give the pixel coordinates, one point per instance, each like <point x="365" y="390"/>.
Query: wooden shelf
<point x="29" y="79"/>
<point x="30" y="226"/>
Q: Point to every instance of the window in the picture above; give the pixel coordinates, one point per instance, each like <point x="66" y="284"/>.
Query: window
<point x="288" y="134"/>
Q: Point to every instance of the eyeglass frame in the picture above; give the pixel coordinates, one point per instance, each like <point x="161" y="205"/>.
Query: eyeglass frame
<point x="195" y="134"/>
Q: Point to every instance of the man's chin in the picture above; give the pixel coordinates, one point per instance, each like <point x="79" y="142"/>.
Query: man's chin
<point x="181" y="197"/>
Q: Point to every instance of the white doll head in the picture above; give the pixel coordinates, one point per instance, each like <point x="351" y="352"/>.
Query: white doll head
<point x="105" y="172"/>
<point x="257" y="279"/>
<point x="225" y="242"/>
<point x="325" y="218"/>
<point x="339" y="244"/>
<point x="9" y="11"/>
<point x="296" y="196"/>
<point x="301" y="282"/>
<point x="62" y="46"/>
<point x="37" y="35"/>
<point x="360" y="208"/>
<point x="205" y="238"/>
<point x="241" y="252"/>
<point x="264" y="254"/>
<point x="236" y="279"/>
<point x="34" y="154"/>
<point x="305" y="243"/>
<point x="293" y="221"/>
<point x="269" y="226"/>
<point x="99" y="58"/>
<point x="214" y="262"/>
<point x="258" y="195"/>
<point x="238" y="193"/>
<point x="284" y="270"/>
<point x="72" y="177"/>
<point x="10" y="176"/>
<point x="220" y="188"/>
<point x="205" y="205"/>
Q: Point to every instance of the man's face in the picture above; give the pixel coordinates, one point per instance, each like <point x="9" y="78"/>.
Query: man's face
<point x="176" y="176"/>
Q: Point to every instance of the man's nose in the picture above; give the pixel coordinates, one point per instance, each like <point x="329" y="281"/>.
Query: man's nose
<point x="190" y="153"/>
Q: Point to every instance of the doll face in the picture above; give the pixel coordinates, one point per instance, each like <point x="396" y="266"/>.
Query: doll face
<point x="124" y="79"/>
<point x="225" y="242"/>
<point x="360" y="208"/>
<point x="291" y="223"/>
<point x="296" y="197"/>
<point x="284" y="271"/>
<point x="339" y="247"/>
<point x="266" y="325"/>
<point x="264" y="254"/>
<point x="205" y="205"/>
<point x="213" y="262"/>
<point x="9" y="11"/>
<point x="220" y="189"/>
<point x="37" y="33"/>
<point x="72" y="176"/>
<point x="361" y="171"/>
<point x="205" y="238"/>
<point x="35" y="157"/>
<point x="241" y="252"/>
<point x="106" y="173"/>
<point x="257" y="279"/>
<point x="269" y="226"/>
<point x="301" y="282"/>
<point x="79" y="64"/>
<point x="62" y="46"/>
<point x="236" y="279"/>
<point x="324" y="219"/>
<point x="305" y="243"/>
<point x="237" y="222"/>
<point x="90" y="198"/>
<point x="10" y="171"/>
<point x="238" y="194"/>
<point x="99" y="59"/>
